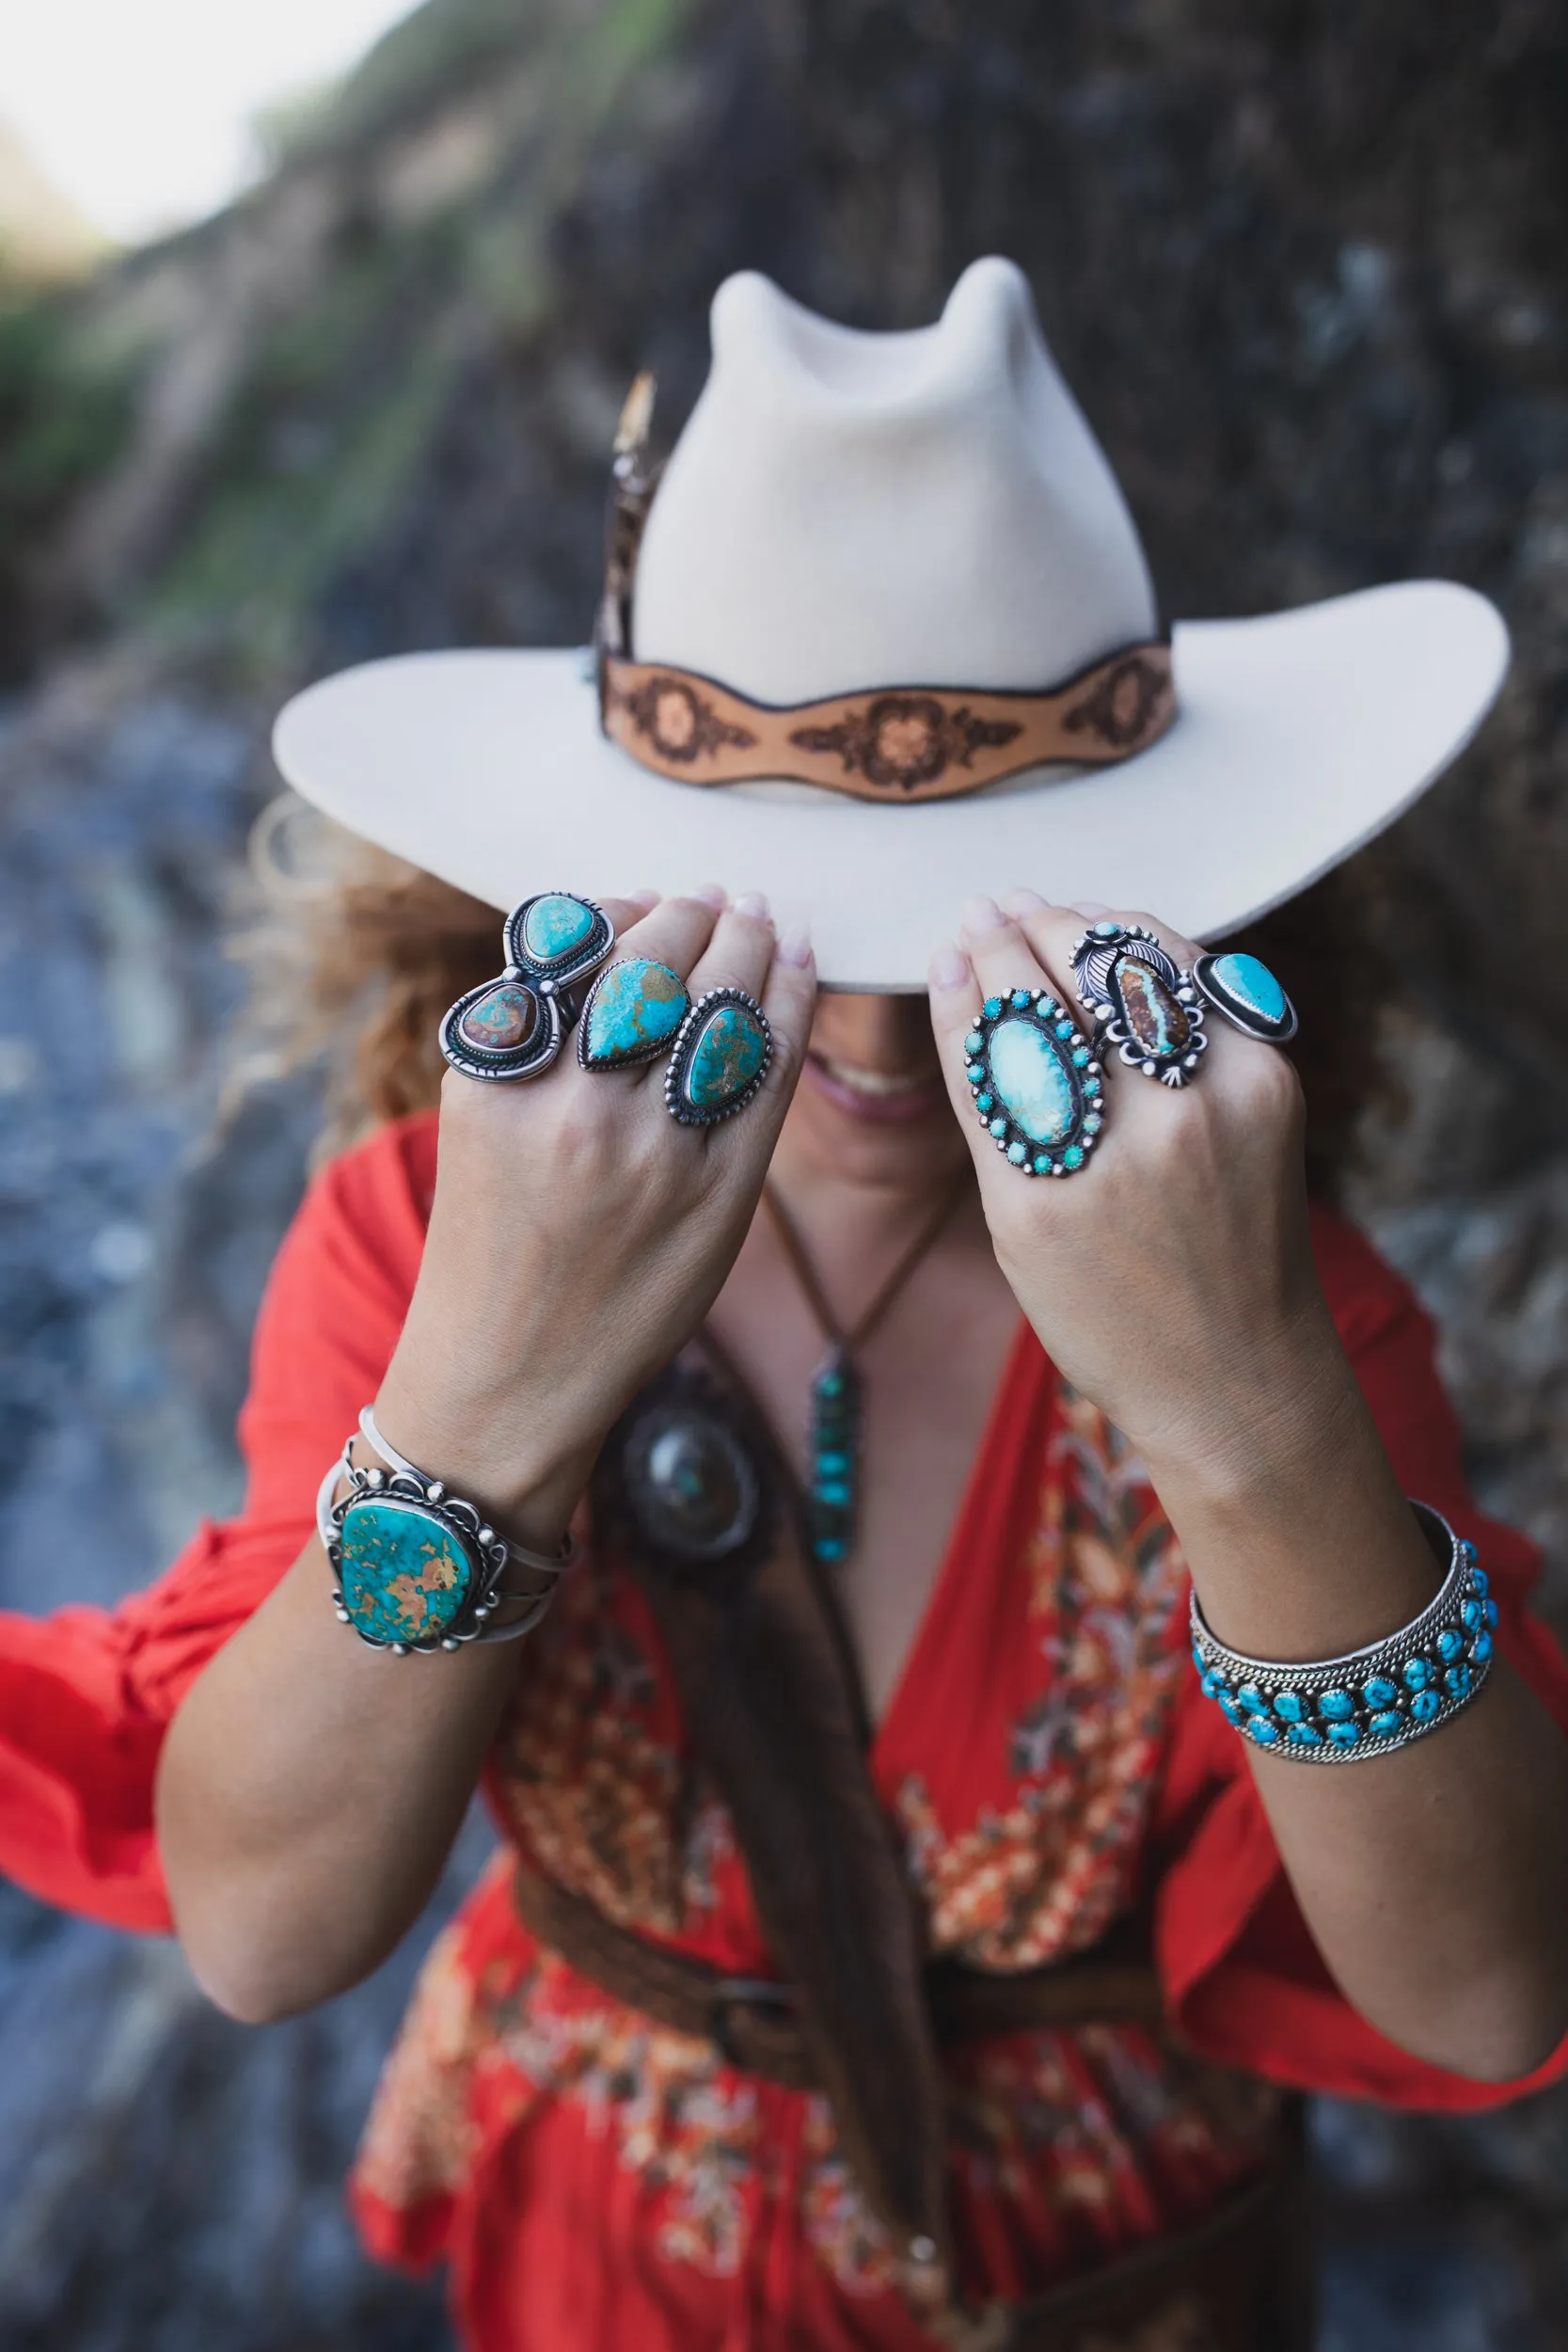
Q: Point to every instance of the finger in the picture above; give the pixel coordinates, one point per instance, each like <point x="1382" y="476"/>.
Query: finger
<point x="739" y="952"/>
<point x="675" y="931"/>
<point x="624" y="912"/>
<point x="990" y="959"/>
<point x="789" y="1001"/>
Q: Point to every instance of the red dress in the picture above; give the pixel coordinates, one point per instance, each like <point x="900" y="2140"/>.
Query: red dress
<point x="598" y="2181"/>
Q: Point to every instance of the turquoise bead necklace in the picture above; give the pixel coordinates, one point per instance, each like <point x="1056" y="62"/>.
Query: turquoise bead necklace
<point x="837" y="1390"/>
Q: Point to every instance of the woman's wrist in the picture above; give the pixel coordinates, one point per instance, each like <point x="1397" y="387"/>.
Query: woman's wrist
<point x="511" y="1459"/>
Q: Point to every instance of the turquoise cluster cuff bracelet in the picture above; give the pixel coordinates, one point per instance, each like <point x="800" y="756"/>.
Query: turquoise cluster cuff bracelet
<point x="1373" y="1700"/>
<point x="417" y="1567"/>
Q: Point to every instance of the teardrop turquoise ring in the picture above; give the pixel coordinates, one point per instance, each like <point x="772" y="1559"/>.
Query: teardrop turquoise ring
<point x="720" y="1058"/>
<point x="512" y="1026"/>
<point x="1139" y="1000"/>
<point x="1246" y="992"/>
<point x="1038" y="1086"/>
<point x="633" y="1010"/>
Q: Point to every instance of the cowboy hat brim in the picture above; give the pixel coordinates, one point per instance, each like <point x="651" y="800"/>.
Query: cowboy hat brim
<point x="1299" y="736"/>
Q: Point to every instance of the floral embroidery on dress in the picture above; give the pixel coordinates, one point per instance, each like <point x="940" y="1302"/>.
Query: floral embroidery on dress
<point x="1086" y="2136"/>
<point x="1045" y="1875"/>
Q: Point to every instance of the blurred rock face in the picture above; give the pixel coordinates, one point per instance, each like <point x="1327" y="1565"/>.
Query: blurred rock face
<point x="1305" y="268"/>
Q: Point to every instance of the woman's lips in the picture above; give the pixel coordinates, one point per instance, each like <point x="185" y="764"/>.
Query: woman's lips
<point x="879" y="1098"/>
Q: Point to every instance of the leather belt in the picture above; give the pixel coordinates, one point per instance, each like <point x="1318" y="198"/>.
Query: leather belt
<point x="755" y="2021"/>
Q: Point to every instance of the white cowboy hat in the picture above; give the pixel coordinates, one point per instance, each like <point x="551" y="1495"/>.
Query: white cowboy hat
<point x="916" y="537"/>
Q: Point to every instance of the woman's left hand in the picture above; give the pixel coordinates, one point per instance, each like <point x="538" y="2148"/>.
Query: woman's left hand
<point x="1171" y="1279"/>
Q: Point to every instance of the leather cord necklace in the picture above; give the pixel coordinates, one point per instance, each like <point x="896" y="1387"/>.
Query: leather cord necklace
<point x="836" y="1422"/>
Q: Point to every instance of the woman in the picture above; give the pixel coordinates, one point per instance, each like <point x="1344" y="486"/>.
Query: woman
<point x="780" y="1821"/>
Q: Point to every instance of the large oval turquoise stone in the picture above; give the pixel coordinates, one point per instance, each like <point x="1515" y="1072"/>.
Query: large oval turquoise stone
<point x="554" y="925"/>
<point x="405" y="1575"/>
<point x="636" y="1006"/>
<point x="730" y="1049"/>
<point x="1253" y="985"/>
<point x="1032" y="1075"/>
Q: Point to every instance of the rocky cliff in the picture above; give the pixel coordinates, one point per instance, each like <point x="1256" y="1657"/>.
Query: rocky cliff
<point x="1304" y="266"/>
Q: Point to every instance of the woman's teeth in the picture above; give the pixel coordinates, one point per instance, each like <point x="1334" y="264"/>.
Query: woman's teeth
<point x="878" y="1082"/>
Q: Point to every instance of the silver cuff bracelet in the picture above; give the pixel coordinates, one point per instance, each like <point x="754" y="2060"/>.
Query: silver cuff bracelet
<point x="1373" y="1700"/>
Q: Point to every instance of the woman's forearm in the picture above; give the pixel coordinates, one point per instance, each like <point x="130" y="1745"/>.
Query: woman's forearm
<point x="310" y="1790"/>
<point x="1435" y="1880"/>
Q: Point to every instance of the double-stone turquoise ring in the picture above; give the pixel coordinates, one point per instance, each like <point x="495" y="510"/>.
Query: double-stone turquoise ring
<point x="513" y="1028"/>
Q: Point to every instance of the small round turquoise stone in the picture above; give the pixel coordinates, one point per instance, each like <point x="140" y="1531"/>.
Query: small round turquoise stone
<point x="1073" y="1155"/>
<point x="1091" y="1086"/>
<point x="1017" y="1153"/>
<point x="1480" y="1649"/>
<point x="1336" y="1707"/>
<point x="1303" y="1736"/>
<point x="1424" y="1706"/>
<point x="554" y="925"/>
<point x="1492" y="1615"/>
<point x="1450" y="1645"/>
<point x="1107" y="931"/>
<point x="1042" y="1166"/>
<point x="1457" y="1681"/>
<point x="1252" y="1699"/>
<point x="973" y="1043"/>
<point x="833" y="1464"/>
<point x="730" y="1050"/>
<point x="1479" y="1581"/>
<point x="1417" y="1673"/>
<point x="976" y="1073"/>
<point x="993" y="1008"/>
<point x="1020" y="996"/>
<point x="1379" y="1692"/>
<point x="1259" y="1728"/>
<point x="1345" y="1735"/>
<point x="1229" y="1710"/>
<point x="983" y="1102"/>
<point x="1093" y="1124"/>
<point x="1288" y="1706"/>
<point x="831" y="1490"/>
<point x="1253" y="985"/>
<point x="999" y="1128"/>
<point x="1386" y="1722"/>
<point x="1214" y="1684"/>
<point x="404" y="1573"/>
<point x="1473" y="1613"/>
<point x="1080" y="1055"/>
<point x="829" y="1546"/>
<point x="636" y="1007"/>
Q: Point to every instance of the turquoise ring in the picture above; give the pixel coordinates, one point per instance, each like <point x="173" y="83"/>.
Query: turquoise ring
<point x="720" y="1058"/>
<point x="1245" y="992"/>
<point x="1038" y="1086"/>
<point x="512" y="1026"/>
<point x="633" y="1010"/>
<point x="1140" y="1000"/>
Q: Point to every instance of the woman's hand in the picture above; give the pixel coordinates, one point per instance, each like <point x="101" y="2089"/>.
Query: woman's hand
<point x="1171" y="1279"/>
<point x="580" y="1234"/>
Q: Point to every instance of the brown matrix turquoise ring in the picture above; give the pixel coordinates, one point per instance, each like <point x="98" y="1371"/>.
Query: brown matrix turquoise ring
<point x="720" y="1058"/>
<point x="512" y="1028"/>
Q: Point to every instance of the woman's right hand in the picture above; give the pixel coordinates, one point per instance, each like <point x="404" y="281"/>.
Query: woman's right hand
<point x="580" y="1234"/>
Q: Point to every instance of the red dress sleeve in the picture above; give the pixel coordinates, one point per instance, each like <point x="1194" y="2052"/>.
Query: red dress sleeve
<point x="85" y="1694"/>
<point x="1241" y="1973"/>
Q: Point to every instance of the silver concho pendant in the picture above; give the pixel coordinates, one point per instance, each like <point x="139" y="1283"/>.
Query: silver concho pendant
<point x="512" y="1026"/>
<point x="1140" y="1000"/>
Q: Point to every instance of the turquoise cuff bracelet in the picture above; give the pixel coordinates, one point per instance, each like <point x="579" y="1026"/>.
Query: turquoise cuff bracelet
<point x="416" y="1566"/>
<point x="1372" y="1700"/>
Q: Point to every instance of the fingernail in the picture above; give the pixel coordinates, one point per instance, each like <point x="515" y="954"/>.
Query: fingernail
<point x="712" y="895"/>
<point x="949" y="966"/>
<point x="795" y="946"/>
<point x="1025" y="902"/>
<point x="643" y="898"/>
<point x="1091" y="906"/>
<point x="982" y="915"/>
<point x="753" y="903"/>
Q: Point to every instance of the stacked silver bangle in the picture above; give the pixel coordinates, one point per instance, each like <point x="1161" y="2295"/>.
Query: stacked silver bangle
<point x="1372" y="1700"/>
<point x="417" y="1566"/>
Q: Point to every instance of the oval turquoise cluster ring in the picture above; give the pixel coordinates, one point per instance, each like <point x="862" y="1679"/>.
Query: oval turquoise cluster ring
<point x="1038" y="1086"/>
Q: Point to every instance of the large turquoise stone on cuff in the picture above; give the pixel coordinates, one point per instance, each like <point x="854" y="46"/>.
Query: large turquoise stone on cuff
<point x="1253" y="985"/>
<point x="404" y="1574"/>
<point x="554" y="925"/>
<point x="636" y="1007"/>
<point x="1033" y="1078"/>
<point x="730" y="1049"/>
